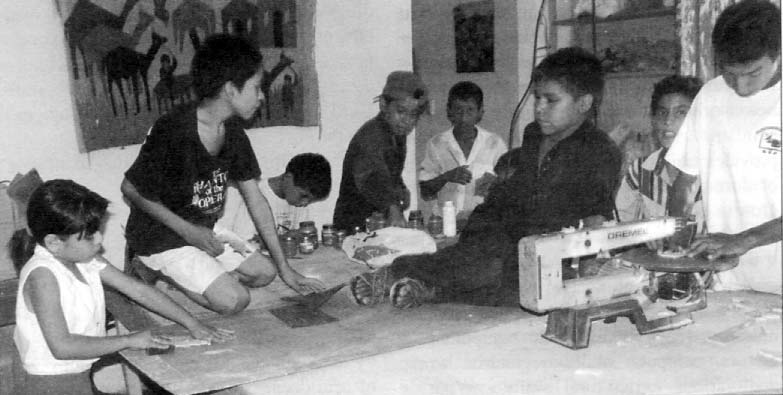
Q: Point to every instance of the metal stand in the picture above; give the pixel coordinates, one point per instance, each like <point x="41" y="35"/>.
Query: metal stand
<point x="571" y="327"/>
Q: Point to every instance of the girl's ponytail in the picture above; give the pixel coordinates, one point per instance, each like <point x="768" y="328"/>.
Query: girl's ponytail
<point x="21" y="248"/>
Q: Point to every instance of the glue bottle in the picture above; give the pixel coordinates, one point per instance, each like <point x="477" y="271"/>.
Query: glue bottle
<point x="449" y="219"/>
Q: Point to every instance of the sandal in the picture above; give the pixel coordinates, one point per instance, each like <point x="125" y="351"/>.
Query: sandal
<point x="377" y="284"/>
<point x="416" y="295"/>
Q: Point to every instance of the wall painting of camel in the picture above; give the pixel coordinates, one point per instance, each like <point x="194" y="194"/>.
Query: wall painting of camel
<point x="129" y="60"/>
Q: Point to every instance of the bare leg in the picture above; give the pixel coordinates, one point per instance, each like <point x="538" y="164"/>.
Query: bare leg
<point x="225" y="295"/>
<point x="256" y="271"/>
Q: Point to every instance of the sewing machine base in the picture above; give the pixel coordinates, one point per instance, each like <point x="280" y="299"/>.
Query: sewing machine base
<point x="570" y="327"/>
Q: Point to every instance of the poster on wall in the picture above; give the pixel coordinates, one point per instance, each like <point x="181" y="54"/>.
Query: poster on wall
<point x="130" y="59"/>
<point x="474" y="37"/>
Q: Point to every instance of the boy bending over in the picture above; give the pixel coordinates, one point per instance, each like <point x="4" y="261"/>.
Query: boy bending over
<point x="373" y="163"/>
<point x="731" y="140"/>
<point x="307" y="179"/>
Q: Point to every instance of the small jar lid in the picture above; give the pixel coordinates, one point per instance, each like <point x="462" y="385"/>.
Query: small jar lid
<point x="307" y="224"/>
<point x="328" y="226"/>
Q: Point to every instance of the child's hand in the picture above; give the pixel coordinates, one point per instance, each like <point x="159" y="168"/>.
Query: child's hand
<point x="144" y="340"/>
<point x="459" y="175"/>
<point x="484" y="184"/>
<point x="203" y="331"/>
<point x="301" y="284"/>
<point x="204" y="239"/>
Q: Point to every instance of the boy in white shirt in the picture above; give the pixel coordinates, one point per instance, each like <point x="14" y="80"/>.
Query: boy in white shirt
<point x="456" y="159"/>
<point x="731" y="140"/>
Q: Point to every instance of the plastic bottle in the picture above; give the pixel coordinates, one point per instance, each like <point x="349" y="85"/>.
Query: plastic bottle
<point x="449" y="219"/>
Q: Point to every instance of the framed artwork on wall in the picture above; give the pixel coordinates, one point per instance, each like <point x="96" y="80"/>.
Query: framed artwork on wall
<point x="130" y="59"/>
<point x="474" y="37"/>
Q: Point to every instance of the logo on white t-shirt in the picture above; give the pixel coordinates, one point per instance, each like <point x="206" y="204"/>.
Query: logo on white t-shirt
<point x="769" y="140"/>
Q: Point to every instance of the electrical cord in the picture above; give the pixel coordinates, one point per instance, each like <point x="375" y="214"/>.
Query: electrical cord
<point x="515" y="114"/>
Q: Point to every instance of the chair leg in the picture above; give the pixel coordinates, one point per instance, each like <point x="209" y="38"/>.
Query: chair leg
<point x="132" y="380"/>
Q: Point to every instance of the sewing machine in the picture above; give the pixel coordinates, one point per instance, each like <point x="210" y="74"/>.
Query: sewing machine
<point x="626" y="285"/>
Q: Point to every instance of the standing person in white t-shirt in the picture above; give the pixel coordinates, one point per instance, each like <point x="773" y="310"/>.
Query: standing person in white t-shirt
<point x="731" y="140"/>
<point x="456" y="159"/>
<point x="307" y="179"/>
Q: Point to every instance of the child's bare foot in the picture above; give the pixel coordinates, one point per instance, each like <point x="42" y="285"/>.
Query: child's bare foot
<point x="371" y="288"/>
<point x="362" y="292"/>
<point x="408" y="293"/>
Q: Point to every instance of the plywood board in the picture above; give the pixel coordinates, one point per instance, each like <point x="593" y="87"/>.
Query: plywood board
<point x="265" y="347"/>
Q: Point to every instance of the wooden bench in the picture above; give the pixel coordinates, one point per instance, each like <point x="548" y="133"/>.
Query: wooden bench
<point x="9" y="359"/>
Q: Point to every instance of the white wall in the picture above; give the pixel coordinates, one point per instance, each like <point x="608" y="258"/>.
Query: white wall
<point x="433" y="41"/>
<point x="358" y="42"/>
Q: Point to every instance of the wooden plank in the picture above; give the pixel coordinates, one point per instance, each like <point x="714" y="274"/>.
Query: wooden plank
<point x="265" y="347"/>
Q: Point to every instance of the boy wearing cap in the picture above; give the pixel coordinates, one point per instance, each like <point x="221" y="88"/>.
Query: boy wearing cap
<point x="373" y="163"/>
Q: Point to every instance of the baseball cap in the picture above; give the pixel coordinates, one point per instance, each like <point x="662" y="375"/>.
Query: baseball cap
<point x="402" y="84"/>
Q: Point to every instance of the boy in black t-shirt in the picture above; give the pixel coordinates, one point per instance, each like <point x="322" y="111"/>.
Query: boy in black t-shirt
<point x="177" y="185"/>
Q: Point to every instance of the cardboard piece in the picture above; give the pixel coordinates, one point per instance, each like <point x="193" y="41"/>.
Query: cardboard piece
<point x="314" y="300"/>
<point x="300" y="316"/>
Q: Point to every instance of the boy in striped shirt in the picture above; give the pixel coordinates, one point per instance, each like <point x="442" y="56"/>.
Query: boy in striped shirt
<point x="647" y="184"/>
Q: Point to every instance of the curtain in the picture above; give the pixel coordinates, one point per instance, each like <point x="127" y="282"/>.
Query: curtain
<point x="695" y="20"/>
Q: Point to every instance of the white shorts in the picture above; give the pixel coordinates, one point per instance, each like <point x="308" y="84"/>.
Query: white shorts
<point x="191" y="267"/>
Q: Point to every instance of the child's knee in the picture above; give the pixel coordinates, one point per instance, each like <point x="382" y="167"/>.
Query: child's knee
<point x="262" y="279"/>
<point x="258" y="271"/>
<point x="232" y="304"/>
<point x="227" y="298"/>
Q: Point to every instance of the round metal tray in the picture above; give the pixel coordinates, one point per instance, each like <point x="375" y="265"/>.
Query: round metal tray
<point x="651" y="261"/>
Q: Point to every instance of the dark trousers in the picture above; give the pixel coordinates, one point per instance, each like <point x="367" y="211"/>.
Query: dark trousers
<point x="61" y="384"/>
<point x="480" y="269"/>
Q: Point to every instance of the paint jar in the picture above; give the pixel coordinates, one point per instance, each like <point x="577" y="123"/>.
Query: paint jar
<point x="435" y="226"/>
<point x="339" y="237"/>
<point x="306" y="246"/>
<point x="416" y="220"/>
<point x="290" y="244"/>
<point x="327" y="235"/>
<point x="308" y="231"/>
<point x="376" y="221"/>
